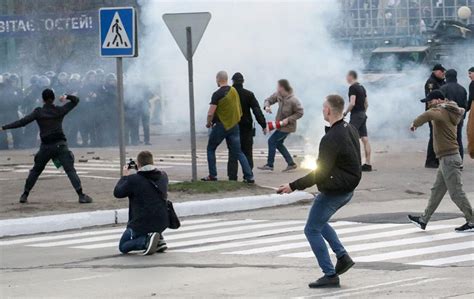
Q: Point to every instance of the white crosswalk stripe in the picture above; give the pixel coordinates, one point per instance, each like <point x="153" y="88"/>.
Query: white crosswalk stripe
<point x="388" y="242"/>
<point x="164" y="161"/>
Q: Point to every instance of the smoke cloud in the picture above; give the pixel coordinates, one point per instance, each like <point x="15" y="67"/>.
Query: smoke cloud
<point x="267" y="41"/>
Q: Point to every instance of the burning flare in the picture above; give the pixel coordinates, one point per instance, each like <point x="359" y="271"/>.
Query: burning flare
<point x="309" y="162"/>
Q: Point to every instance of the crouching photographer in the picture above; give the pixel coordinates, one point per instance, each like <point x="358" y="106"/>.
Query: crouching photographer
<point x="149" y="210"/>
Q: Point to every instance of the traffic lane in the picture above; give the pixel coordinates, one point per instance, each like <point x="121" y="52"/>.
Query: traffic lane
<point x="209" y="277"/>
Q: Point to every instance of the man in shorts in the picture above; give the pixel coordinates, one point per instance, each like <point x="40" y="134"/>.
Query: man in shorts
<point x="357" y="107"/>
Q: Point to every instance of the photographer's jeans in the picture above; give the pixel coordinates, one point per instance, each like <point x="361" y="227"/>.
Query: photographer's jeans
<point x="317" y="229"/>
<point x="131" y="241"/>
<point x="232" y="136"/>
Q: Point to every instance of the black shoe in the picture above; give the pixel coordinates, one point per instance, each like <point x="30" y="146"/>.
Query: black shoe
<point x="161" y="247"/>
<point x="248" y="181"/>
<point x="465" y="228"/>
<point x="417" y="221"/>
<point x="24" y="198"/>
<point x="151" y="243"/>
<point x="290" y="167"/>
<point x="343" y="264"/>
<point x="266" y="167"/>
<point x="366" y="168"/>
<point x="432" y="165"/>
<point x="325" y="282"/>
<point x="147" y="143"/>
<point x="84" y="198"/>
<point x="209" y="179"/>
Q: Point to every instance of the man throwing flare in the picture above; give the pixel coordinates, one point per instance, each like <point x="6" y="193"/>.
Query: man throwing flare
<point x="53" y="141"/>
<point x="338" y="174"/>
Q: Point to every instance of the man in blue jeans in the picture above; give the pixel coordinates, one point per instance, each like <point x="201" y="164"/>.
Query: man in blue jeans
<point x="289" y="111"/>
<point x="223" y="117"/>
<point x="337" y="175"/>
<point x="147" y="191"/>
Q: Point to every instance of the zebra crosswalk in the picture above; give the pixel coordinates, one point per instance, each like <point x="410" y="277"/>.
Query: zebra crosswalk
<point x="366" y="242"/>
<point x="103" y="167"/>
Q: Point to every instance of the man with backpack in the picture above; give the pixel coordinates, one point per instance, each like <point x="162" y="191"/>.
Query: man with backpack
<point x="147" y="191"/>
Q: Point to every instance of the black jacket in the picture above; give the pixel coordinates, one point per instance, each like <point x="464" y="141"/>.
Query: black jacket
<point x="471" y="95"/>
<point x="249" y="102"/>
<point x="455" y="92"/>
<point x="147" y="207"/>
<point x="339" y="162"/>
<point x="50" y="120"/>
<point x="433" y="83"/>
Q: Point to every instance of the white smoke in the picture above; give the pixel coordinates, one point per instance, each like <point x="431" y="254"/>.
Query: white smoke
<point x="267" y="41"/>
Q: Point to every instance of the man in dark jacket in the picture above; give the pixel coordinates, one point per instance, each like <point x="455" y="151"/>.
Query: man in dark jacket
<point x="434" y="82"/>
<point x="147" y="191"/>
<point x="337" y="174"/>
<point x="53" y="141"/>
<point x="456" y="93"/>
<point x="247" y="130"/>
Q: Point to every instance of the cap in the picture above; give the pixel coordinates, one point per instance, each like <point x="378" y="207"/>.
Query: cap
<point x="438" y="67"/>
<point x="451" y="73"/>
<point x="435" y="94"/>
<point x="471" y="69"/>
<point x="238" y="77"/>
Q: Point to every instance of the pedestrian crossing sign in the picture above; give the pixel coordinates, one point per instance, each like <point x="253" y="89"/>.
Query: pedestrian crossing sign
<point x="118" y="35"/>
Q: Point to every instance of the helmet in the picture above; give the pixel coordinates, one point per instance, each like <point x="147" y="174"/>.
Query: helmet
<point x="50" y="74"/>
<point x="75" y="77"/>
<point x="34" y="80"/>
<point x="63" y="77"/>
<point x="14" y="79"/>
<point x="44" y="81"/>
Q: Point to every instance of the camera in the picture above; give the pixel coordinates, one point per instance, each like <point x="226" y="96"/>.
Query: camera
<point x="132" y="165"/>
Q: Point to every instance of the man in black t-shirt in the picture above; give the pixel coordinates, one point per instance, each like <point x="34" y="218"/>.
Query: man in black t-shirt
<point x="358" y="105"/>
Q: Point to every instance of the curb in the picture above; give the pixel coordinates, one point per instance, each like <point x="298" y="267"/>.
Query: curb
<point x="61" y="222"/>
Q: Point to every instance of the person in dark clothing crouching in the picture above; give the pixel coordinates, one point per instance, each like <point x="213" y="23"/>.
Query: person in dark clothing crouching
<point x="337" y="175"/>
<point x="147" y="191"/>
<point x="53" y="141"/>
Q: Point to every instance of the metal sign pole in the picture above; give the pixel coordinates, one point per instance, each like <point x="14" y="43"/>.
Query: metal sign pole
<point x="191" y="103"/>
<point x="121" y="113"/>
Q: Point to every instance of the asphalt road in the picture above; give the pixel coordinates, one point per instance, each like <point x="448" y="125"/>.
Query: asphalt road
<point x="260" y="253"/>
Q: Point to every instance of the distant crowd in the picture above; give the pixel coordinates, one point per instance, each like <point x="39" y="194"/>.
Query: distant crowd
<point x="93" y="124"/>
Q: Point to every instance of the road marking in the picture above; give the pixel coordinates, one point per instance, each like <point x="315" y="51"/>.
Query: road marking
<point x="343" y="239"/>
<point x="254" y="242"/>
<point x="414" y="252"/>
<point x="89" y="233"/>
<point x="305" y="244"/>
<point x="363" y="288"/>
<point x="176" y="236"/>
<point x="446" y="260"/>
<point x="58" y="237"/>
<point x="424" y="281"/>
<point x="385" y="244"/>
<point x="203" y="241"/>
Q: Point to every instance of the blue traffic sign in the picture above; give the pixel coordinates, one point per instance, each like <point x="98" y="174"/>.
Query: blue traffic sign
<point x="118" y="32"/>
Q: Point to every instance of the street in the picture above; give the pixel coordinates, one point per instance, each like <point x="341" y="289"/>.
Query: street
<point x="253" y="254"/>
